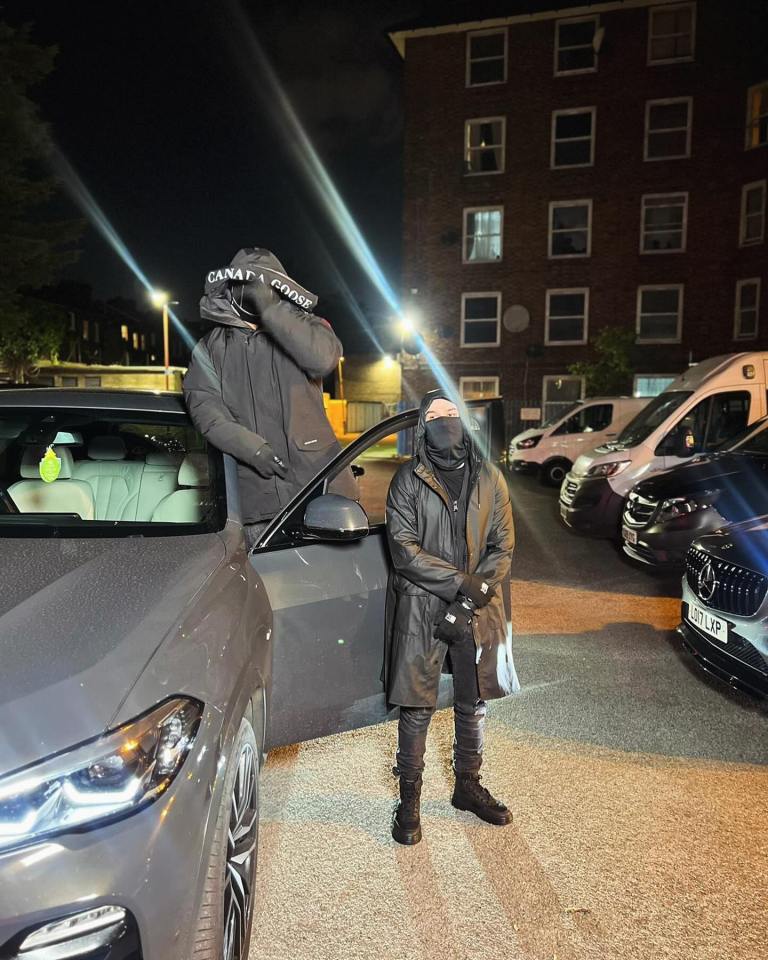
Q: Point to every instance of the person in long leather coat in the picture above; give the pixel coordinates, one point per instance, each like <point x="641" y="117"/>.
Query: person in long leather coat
<point x="451" y="536"/>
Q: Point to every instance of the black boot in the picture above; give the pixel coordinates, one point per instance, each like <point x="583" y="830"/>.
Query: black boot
<point x="406" y="825"/>
<point x="469" y="794"/>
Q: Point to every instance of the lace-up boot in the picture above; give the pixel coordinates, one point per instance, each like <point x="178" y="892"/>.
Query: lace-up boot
<point x="406" y="825"/>
<point x="469" y="794"/>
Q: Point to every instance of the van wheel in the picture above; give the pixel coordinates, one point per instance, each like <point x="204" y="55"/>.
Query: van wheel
<point x="223" y="929"/>
<point x="553" y="472"/>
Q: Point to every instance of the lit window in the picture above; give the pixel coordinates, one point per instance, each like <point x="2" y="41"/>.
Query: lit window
<point x="747" y="309"/>
<point x="752" y="224"/>
<point x="652" y="384"/>
<point x="135" y="340"/>
<point x="85" y="330"/>
<point x="659" y="314"/>
<point x="570" y="228"/>
<point x="478" y="388"/>
<point x="574" y="46"/>
<point x="573" y="138"/>
<point x="671" y="33"/>
<point x="757" y="116"/>
<point x="566" y="318"/>
<point x="482" y="234"/>
<point x="486" y="57"/>
<point x="663" y="222"/>
<point x="480" y="314"/>
<point x="668" y="129"/>
<point x="484" y="145"/>
<point x="124" y="332"/>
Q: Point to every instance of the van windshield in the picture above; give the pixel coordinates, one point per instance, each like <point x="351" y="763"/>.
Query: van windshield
<point x="651" y="417"/>
<point x="561" y="414"/>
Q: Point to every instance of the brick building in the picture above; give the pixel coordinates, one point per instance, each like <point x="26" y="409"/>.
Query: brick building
<point x="574" y="166"/>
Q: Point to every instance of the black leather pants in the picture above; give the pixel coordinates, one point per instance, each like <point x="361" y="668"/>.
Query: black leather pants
<point x="468" y="716"/>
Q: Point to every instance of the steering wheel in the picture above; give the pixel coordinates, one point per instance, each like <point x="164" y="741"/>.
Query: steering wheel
<point x="7" y="504"/>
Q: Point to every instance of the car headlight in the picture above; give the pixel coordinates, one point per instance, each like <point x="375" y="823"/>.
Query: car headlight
<point x="608" y="469"/>
<point x="682" y="506"/>
<point x="111" y="776"/>
<point x="528" y="443"/>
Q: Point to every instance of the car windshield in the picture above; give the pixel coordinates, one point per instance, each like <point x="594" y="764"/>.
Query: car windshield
<point x="651" y="417"/>
<point x="753" y="441"/>
<point x="561" y="414"/>
<point x="76" y="472"/>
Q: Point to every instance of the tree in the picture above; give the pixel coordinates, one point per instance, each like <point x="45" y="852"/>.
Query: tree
<point x="610" y="373"/>
<point x="34" y="248"/>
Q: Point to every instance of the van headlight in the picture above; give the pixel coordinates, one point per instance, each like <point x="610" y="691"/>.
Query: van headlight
<point x="112" y="776"/>
<point x="608" y="469"/>
<point x="528" y="443"/>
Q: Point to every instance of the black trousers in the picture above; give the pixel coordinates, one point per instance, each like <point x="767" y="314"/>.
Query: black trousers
<point x="468" y="716"/>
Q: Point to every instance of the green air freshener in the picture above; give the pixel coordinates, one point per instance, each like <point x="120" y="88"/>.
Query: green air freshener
<point x="50" y="466"/>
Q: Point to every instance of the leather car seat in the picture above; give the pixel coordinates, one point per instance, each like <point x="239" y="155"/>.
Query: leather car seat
<point x="63" y="495"/>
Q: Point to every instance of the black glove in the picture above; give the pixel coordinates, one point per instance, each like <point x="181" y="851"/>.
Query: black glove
<point x="478" y="590"/>
<point x="455" y="623"/>
<point x="252" y="299"/>
<point x="267" y="465"/>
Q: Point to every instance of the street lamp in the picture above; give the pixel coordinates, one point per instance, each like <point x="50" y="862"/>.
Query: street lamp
<point x="162" y="301"/>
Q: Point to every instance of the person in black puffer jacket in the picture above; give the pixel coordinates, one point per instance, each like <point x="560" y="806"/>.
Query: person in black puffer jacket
<point x="254" y="383"/>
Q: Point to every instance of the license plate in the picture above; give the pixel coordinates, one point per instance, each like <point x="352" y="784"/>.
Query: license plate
<point x="703" y="620"/>
<point x="629" y="535"/>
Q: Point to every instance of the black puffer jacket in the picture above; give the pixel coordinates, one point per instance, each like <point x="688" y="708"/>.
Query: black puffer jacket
<point x="424" y="579"/>
<point x="244" y="387"/>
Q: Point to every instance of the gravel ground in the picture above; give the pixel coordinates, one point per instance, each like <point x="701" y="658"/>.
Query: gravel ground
<point x="639" y="790"/>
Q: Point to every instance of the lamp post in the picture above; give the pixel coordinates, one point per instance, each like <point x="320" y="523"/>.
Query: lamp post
<point x="162" y="301"/>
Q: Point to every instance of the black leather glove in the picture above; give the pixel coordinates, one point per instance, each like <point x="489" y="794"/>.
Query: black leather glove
<point x="455" y="623"/>
<point x="266" y="464"/>
<point x="253" y="298"/>
<point x="478" y="590"/>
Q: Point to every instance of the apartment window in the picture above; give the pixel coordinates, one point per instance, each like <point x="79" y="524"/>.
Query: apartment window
<point x="573" y="137"/>
<point x="124" y="332"/>
<point x="668" y="129"/>
<point x="135" y="341"/>
<point x="747" y="309"/>
<point x="659" y="313"/>
<point x="757" y="116"/>
<point x="93" y="381"/>
<point x="574" y="46"/>
<point x="651" y="384"/>
<point x="478" y="388"/>
<point x="85" y="329"/>
<point x="484" y="145"/>
<point x="752" y="221"/>
<point x="482" y="234"/>
<point x="560" y="392"/>
<point x="480" y="314"/>
<point x="570" y="228"/>
<point x="486" y="57"/>
<point x="671" y="33"/>
<point x="664" y="222"/>
<point x="69" y="381"/>
<point x="566" y="316"/>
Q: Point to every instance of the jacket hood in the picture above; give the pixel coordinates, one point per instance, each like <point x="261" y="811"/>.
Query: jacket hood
<point x="475" y="455"/>
<point x="249" y="265"/>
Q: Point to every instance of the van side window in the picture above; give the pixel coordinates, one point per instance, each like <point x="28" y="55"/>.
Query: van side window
<point x="710" y="423"/>
<point x="587" y="420"/>
<point x="729" y="416"/>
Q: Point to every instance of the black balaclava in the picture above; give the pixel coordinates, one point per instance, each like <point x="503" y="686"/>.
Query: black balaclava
<point x="445" y="441"/>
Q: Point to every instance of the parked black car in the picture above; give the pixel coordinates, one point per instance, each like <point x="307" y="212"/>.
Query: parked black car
<point x="664" y="513"/>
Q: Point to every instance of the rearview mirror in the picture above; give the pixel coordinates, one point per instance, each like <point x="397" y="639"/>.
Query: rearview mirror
<point x="332" y="517"/>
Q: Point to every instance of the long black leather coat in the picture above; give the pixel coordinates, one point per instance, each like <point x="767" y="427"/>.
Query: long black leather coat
<point x="424" y="580"/>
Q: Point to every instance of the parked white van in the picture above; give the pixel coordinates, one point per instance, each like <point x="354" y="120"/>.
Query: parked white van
<point x="552" y="448"/>
<point x="706" y="406"/>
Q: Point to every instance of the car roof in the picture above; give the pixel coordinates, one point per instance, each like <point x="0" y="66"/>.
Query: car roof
<point x="140" y="401"/>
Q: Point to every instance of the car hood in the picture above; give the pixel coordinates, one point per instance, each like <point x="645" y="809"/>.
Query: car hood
<point x="693" y="477"/>
<point x="79" y="620"/>
<point x="530" y="432"/>
<point x="744" y="544"/>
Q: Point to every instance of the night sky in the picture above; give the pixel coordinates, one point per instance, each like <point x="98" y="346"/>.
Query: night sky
<point x="160" y="108"/>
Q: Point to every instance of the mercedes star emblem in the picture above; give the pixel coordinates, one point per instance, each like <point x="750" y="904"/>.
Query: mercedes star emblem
<point x="708" y="583"/>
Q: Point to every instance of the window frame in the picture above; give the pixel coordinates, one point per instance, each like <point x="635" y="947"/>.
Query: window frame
<point x="664" y="101"/>
<point x="550" y="231"/>
<point x="656" y="196"/>
<point x="496" y="208"/>
<point x="743" y="242"/>
<point x="468" y="61"/>
<point x="477" y="295"/>
<point x="680" y="287"/>
<point x="548" y="297"/>
<point x="571" y="73"/>
<point x="749" y="122"/>
<point x="546" y="378"/>
<point x="468" y="149"/>
<point x="667" y="8"/>
<point x="572" y="111"/>
<point x="651" y="376"/>
<point x="469" y="379"/>
<point x="736" y="308"/>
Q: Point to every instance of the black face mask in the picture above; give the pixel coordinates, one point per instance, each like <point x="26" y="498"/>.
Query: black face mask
<point x="446" y="444"/>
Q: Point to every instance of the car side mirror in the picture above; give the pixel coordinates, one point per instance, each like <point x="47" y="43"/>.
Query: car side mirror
<point x="332" y="517"/>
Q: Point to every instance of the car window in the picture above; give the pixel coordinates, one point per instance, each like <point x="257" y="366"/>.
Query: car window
<point x="728" y="417"/>
<point x="106" y="473"/>
<point x="376" y="466"/>
<point x="587" y="420"/>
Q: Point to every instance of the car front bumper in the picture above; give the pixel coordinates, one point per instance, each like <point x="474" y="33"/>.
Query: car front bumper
<point x="148" y="863"/>
<point x="666" y="544"/>
<point x="591" y="506"/>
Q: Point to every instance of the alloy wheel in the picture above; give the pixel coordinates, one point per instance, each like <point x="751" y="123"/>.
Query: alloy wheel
<point x="242" y="837"/>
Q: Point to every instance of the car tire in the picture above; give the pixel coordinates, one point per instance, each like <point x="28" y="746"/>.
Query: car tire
<point x="225" y="917"/>
<point x="553" y="472"/>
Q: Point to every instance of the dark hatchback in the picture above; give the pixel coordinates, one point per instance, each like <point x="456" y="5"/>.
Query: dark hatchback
<point x="664" y="513"/>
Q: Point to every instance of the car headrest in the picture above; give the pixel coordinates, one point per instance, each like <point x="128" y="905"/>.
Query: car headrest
<point x="107" y="448"/>
<point x="30" y="462"/>
<point x="193" y="471"/>
<point x="159" y="458"/>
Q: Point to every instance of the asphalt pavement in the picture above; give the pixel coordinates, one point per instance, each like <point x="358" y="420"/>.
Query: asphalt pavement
<point x="639" y="787"/>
